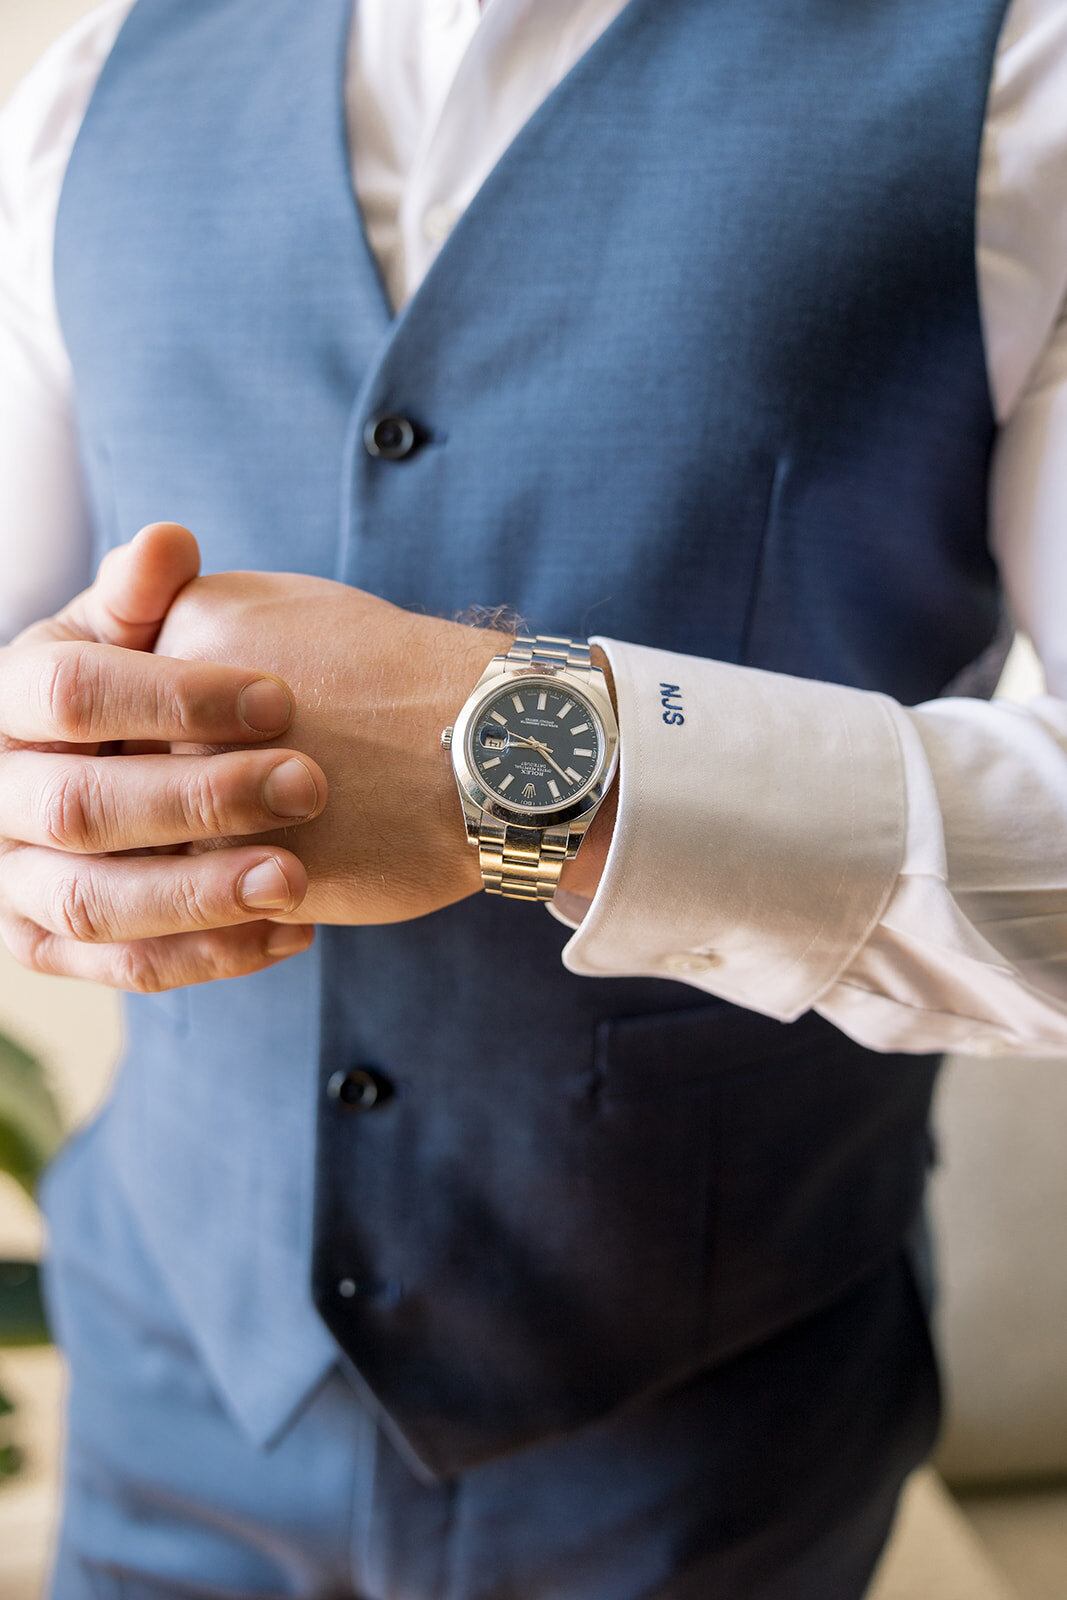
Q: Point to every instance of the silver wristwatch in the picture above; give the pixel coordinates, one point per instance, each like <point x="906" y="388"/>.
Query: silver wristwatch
<point x="534" y="751"/>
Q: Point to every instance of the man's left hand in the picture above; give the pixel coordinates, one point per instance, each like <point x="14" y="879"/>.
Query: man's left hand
<point x="373" y="687"/>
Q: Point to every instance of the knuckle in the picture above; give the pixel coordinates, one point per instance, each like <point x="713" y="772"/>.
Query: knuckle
<point x="175" y="707"/>
<point x="70" y="690"/>
<point x="70" y="809"/>
<point x="201" y="806"/>
<point x="191" y="899"/>
<point x="135" y="969"/>
<point x="77" y="911"/>
<point x="150" y="967"/>
<point x="44" y="953"/>
<point x="218" y="958"/>
<point x="28" y="945"/>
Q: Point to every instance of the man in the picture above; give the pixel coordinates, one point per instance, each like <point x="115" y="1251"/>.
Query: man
<point x="410" y="1261"/>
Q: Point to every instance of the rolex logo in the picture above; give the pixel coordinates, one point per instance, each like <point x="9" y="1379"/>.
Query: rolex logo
<point x="529" y="792"/>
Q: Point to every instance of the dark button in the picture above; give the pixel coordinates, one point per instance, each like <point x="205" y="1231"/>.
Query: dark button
<point x="385" y="1291"/>
<point x="390" y="438"/>
<point x="361" y="1089"/>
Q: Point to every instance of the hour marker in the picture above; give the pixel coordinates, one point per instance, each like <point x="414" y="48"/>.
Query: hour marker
<point x="583" y="727"/>
<point x="542" y="700"/>
<point x="553" y="788"/>
<point x="487" y="764"/>
<point x="504" y="782"/>
<point x="582" y="752"/>
<point x="503" y="721"/>
<point x="565" y="710"/>
<point x="575" y="777"/>
<point x="517" y="703"/>
<point x="529" y="792"/>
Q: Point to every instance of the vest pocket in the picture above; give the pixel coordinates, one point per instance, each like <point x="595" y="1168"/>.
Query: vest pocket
<point x="660" y="1053"/>
<point x="813" y="1153"/>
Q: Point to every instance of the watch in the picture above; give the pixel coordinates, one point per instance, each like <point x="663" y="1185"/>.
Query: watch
<point x="534" y="751"/>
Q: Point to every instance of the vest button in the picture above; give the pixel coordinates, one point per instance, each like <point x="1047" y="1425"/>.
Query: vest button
<point x="389" y="438"/>
<point x="360" y="1089"/>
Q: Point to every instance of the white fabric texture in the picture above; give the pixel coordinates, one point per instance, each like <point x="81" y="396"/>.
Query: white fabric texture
<point x="793" y="843"/>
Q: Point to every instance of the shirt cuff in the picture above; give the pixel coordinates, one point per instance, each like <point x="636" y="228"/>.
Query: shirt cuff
<point x="760" y="831"/>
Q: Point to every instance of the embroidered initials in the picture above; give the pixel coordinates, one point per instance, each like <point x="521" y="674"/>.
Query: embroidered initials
<point x="670" y="697"/>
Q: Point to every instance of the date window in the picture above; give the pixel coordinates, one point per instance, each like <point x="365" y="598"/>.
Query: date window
<point x="491" y="738"/>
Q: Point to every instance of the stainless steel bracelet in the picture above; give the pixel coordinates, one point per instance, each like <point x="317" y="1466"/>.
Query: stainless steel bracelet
<point x="522" y="863"/>
<point x="525" y="863"/>
<point x="544" y="650"/>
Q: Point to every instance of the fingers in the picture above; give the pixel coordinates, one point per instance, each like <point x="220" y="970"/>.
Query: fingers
<point x="152" y="965"/>
<point x="97" y="806"/>
<point x="77" y="693"/>
<point x="134" y="589"/>
<point x="145" y="923"/>
<point x="115" y="899"/>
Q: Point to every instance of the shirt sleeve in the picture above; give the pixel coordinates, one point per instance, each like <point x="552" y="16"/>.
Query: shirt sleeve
<point x="794" y="845"/>
<point x="45" y="542"/>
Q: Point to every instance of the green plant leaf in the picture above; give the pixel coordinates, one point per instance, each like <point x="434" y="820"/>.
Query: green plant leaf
<point x="11" y="1457"/>
<point x="30" y="1125"/>
<point x="22" y="1317"/>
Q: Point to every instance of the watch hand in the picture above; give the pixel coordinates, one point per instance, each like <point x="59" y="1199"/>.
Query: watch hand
<point x="535" y="744"/>
<point x="542" y="750"/>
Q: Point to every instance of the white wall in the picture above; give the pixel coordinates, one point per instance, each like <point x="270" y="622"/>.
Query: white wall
<point x="26" y="28"/>
<point x="74" y="1026"/>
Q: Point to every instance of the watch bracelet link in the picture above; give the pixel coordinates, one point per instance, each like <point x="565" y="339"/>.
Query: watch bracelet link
<point x="545" y="650"/>
<point x="521" y="863"/>
<point x="525" y="863"/>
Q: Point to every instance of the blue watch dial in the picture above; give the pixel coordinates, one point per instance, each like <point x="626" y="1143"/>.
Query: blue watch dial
<point x="536" y="747"/>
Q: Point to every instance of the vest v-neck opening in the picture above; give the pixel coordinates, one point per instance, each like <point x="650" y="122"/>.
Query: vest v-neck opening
<point x="346" y="32"/>
<point x="612" y="39"/>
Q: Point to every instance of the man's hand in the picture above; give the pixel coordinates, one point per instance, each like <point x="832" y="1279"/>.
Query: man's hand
<point x="84" y="889"/>
<point x="373" y="687"/>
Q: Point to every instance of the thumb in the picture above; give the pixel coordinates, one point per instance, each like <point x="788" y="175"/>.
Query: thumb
<point x="135" y="587"/>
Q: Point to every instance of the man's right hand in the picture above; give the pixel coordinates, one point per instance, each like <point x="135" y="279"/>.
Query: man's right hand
<point x="94" y="879"/>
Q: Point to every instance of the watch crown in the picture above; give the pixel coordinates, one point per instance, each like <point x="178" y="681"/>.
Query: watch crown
<point x="446" y="739"/>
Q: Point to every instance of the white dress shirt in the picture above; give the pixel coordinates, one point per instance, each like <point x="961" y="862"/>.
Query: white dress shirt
<point x="793" y="844"/>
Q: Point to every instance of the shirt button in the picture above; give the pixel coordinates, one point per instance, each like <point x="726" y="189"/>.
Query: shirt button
<point x="691" y="963"/>
<point x="391" y="438"/>
<point x="361" y="1089"/>
<point x="438" y="223"/>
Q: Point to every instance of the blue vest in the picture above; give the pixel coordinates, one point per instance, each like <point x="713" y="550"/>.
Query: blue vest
<point x="702" y="368"/>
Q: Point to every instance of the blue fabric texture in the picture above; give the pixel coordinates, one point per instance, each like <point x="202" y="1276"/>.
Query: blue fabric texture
<point x="701" y="367"/>
<point x="705" y="1493"/>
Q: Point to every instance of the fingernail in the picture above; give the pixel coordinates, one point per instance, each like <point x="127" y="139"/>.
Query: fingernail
<point x="287" y="941"/>
<point x="264" y="706"/>
<point x="264" y="888"/>
<point x="289" y="790"/>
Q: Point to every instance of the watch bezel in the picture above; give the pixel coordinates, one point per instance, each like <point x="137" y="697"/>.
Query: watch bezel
<point x="495" y="682"/>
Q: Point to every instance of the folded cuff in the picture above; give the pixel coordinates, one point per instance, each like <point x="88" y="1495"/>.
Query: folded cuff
<point x="760" y="831"/>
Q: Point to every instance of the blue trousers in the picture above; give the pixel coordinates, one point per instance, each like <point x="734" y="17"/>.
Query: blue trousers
<point x="774" y="1477"/>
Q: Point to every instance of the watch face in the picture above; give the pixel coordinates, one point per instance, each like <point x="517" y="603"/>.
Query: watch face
<point x="536" y="747"/>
